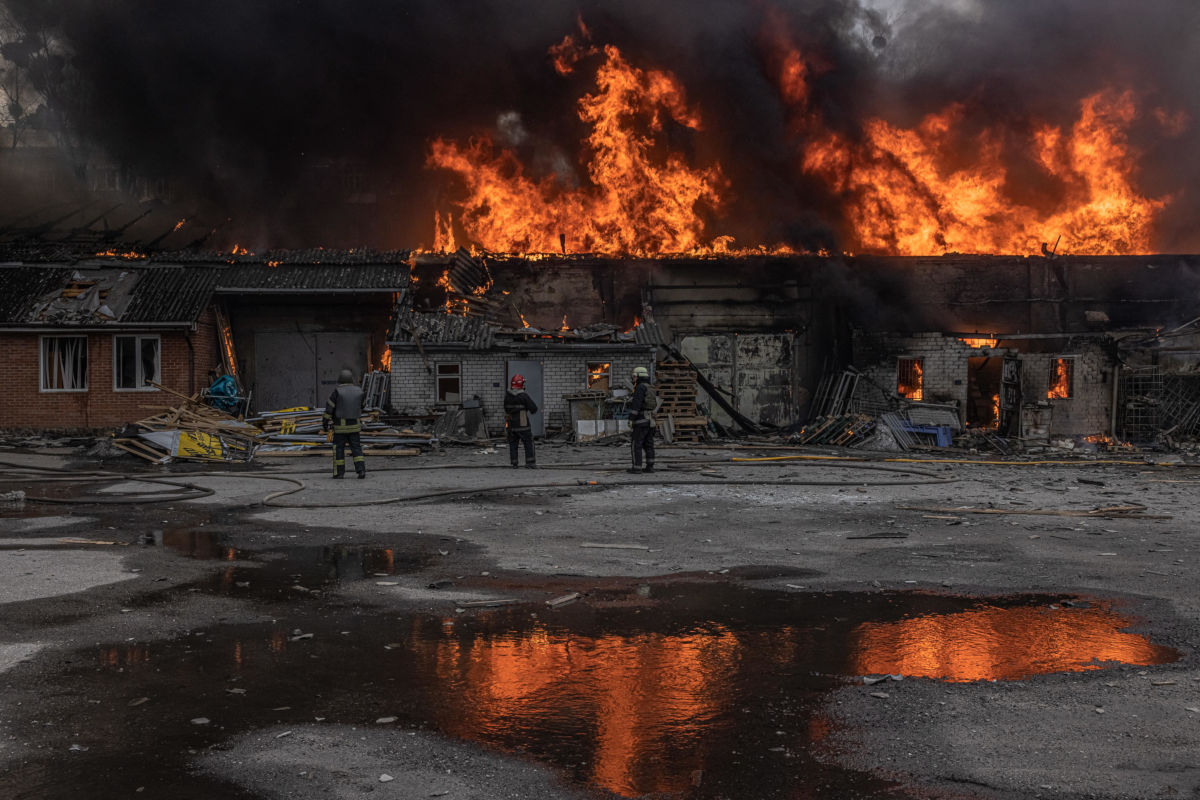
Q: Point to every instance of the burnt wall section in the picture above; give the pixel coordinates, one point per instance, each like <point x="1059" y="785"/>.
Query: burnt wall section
<point x="986" y="294"/>
<point x="947" y="364"/>
<point x="756" y="370"/>
<point x="1009" y="294"/>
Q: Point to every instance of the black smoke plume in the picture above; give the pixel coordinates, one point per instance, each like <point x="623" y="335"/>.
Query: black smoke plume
<point x="273" y="114"/>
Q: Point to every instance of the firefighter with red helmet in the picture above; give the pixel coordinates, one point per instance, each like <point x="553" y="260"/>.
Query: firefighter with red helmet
<point x="518" y="408"/>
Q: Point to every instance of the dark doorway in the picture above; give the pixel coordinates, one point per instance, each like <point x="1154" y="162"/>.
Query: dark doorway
<point x="983" y="391"/>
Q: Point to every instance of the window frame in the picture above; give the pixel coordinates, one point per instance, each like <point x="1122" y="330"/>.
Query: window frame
<point x="438" y="377"/>
<point x="42" y="363"/>
<point x="588" y="373"/>
<point x="138" y="338"/>
<point x="919" y="363"/>
<point x="1072" y="361"/>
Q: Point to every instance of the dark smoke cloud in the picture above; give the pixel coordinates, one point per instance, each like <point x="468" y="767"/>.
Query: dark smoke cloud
<point x="240" y="103"/>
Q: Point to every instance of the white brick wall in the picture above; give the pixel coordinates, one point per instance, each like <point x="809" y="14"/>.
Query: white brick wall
<point x="414" y="390"/>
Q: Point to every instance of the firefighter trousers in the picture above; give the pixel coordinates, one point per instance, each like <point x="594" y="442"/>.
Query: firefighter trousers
<point x="643" y="441"/>
<point x="525" y="437"/>
<point x="340" y="440"/>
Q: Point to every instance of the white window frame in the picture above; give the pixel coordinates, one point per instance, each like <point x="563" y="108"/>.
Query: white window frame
<point x="437" y="382"/>
<point x="42" y="362"/>
<point x="141" y="379"/>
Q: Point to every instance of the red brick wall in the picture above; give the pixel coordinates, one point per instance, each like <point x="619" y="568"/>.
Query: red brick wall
<point x="184" y="369"/>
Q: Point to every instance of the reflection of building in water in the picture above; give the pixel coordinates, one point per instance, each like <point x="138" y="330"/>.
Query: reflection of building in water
<point x="648" y="701"/>
<point x="1000" y="643"/>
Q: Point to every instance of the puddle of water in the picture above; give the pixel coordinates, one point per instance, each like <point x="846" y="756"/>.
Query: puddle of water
<point x="264" y="574"/>
<point x="694" y="690"/>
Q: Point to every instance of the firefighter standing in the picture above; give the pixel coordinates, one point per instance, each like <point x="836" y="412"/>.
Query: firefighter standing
<point x="518" y="406"/>
<point x="641" y="406"/>
<point x="343" y="412"/>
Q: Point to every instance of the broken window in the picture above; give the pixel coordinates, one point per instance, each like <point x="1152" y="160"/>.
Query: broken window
<point x="1062" y="378"/>
<point x="449" y="383"/>
<point x="64" y="364"/>
<point x="136" y="361"/>
<point x="599" y="375"/>
<point x="910" y="378"/>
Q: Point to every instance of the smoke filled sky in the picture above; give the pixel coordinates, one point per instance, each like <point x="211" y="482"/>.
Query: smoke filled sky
<point x="243" y="104"/>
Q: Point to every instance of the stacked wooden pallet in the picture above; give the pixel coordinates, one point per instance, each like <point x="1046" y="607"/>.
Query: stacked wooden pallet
<point x="675" y="385"/>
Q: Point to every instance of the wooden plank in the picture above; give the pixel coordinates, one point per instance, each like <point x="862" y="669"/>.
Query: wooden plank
<point x="119" y="444"/>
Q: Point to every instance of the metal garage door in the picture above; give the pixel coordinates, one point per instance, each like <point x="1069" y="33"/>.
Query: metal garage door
<point x="293" y="368"/>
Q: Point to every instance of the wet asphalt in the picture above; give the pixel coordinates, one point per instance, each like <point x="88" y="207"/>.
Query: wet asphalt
<point x="700" y="641"/>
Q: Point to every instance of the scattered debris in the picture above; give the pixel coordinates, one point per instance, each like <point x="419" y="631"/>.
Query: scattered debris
<point x="487" y="603"/>
<point x="1134" y="511"/>
<point x="566" y="599"/>
<point x="615" y="546"/>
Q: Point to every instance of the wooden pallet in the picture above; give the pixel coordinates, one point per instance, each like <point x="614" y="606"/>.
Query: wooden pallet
<point x="675" y="386"/>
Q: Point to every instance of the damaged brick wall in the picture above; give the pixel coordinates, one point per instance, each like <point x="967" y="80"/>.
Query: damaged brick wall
<point x="1088" y="411"/>
<point x="945" y="361"/>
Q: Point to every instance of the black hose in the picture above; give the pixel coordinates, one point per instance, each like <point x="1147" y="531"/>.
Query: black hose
<point x="60" y="474"/>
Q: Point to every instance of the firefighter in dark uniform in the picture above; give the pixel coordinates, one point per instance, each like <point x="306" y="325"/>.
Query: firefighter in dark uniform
<point x="343" y="412"/>
<point x="518" y="407"/>
<point x="641" y="406"/>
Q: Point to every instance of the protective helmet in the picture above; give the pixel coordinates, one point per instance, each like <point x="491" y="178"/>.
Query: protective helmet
<point x="345" y="376"/>
<point x="641" y="372"/>
<point x="518" y="382"/>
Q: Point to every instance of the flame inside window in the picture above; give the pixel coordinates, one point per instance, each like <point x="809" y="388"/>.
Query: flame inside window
<point x="1062" y="379"/>
<point x="599" y="373"/>
<point x="980" y="342"/>
<point x="910" y="378"/>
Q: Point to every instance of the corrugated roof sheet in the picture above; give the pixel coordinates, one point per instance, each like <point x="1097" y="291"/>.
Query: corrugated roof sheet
<point x="313" y="277"/>
<point x="141" y="292"/>
<point x="118" y="295"/>
<point x="440" y="328"/>
<point x="22" y="286"/>
<point x="170" y="294"/>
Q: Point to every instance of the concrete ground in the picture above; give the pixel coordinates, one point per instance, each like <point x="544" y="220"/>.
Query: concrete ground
<point x="90" y="590"/>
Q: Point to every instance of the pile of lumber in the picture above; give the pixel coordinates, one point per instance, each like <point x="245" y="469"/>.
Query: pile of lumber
<point x="297" y="432"/>
<point x="192" y="430"/>
<point x="210" y="435"/>
<point x="675" y="385"/>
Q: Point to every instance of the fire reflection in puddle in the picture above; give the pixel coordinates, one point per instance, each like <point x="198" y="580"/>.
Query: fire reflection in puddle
<point x="1000" y="644"/>
<point x="692" y="690"/>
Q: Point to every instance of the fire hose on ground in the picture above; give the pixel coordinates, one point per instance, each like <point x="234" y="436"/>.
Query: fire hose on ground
<point x="14" y="471"/>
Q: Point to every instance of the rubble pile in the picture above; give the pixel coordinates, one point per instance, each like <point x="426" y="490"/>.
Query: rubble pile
<point x="194" y="431"/>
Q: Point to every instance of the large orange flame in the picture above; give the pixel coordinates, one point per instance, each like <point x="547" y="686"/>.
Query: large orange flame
<point x="933" y="188"/>
<point x="637" y="200"/>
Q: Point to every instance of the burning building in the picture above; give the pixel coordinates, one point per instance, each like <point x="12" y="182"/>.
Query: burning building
<point x="821" y="207"/>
